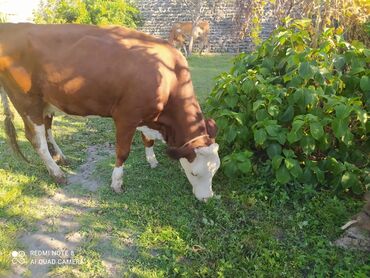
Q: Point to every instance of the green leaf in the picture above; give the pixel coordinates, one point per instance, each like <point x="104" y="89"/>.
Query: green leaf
<point x="365" y="83"/>
<point x="273" y="149"/>
<point x="273" y="110"/>
<point x="316" y="130"/>
<point x="324" y="142"/>
<point x="340" y="127"/>
<point x="257" y="104"/>
<point x="245" y="167"/>
<point x="273" y="130"/>
<point x="248" y="86"/>
<point x="339" y="62"/>
<point x="231" y="100"/>
<point x="261" y="115"/>
<point x="281" y="138"/>
<point x="293" y="166"/>
<point x="305" y="70"/>
<point x="349" y="181"/>
<point x="260" y="136"/>
<point x="334" y="166"/>
<point x="290" y="163"/>
<point x="307" y="176"/>
<point x="298" y="95"/>
<point x="230" y="134"/>
<point x="297" y="124"/>
<point x="276" y="161"/>
<point x="319" y="174"/>
<point x="307" y="144"/>
<point x="348" y="138"/>
<point x="243" y="156"/>
<point x="293" y="137"/>
<point x="289" y="153"/>
<point x="342" y="111"/>
<point x="282" y="175"/>
<point x="288" y="114"/>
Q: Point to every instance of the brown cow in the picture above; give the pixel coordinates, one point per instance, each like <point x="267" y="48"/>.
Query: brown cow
<point x="181" y="32"/>
<point x="140" y="81"/>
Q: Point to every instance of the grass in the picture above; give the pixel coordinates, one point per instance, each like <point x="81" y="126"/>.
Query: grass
<point x="158" y="229"/>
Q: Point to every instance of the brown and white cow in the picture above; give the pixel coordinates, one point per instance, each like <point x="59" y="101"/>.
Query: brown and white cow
<point x="140" y="81"/>
<point x="181" y="33"/>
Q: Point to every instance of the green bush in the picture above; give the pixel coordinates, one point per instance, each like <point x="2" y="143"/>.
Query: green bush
<point x="297" y="111"/>
<point x="98" y="12"/>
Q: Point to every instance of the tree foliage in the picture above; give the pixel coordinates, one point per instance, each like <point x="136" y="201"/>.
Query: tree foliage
<point x="298" y="111"/>
<point x="349" y="15"/>
<point x="98" y="12"/>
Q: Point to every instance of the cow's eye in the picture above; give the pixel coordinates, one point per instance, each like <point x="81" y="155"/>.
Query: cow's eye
<point x="194" y="175"/>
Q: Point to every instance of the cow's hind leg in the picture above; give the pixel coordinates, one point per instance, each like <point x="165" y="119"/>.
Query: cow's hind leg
<point x="149" y="151"/>
<point x="36" y="134"/>
<point x="124" y="134"/>
<point x="54" y="149"/>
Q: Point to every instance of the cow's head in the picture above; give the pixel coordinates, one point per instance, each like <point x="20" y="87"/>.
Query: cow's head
<point x="200" y="163"/>
<point x="201" y="170"/>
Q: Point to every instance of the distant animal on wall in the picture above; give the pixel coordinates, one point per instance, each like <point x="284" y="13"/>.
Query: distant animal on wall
<point x="140" y="81"/>
<point x="180" y="35"/>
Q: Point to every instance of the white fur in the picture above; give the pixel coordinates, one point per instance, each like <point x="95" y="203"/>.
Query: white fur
<point x="43" y="151"/>
<point x="201" y="170"/>
<point x="150" y="157"/>
<point x="117" y="179"/>
<point x="152" y="134"/>
<point x="55" y="146"/>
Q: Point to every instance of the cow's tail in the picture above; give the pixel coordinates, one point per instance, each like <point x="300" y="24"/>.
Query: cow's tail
<point x="9" y="126"/>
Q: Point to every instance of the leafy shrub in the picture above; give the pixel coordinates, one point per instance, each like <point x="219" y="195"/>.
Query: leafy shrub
<point x="98" y="12"/>
<point x="297" y="110"/>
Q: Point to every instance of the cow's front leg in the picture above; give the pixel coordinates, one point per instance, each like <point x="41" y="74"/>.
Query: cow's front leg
<point x="35" y="133"/>
<point x="124" y="134"/>
<point x="149" y="151"/>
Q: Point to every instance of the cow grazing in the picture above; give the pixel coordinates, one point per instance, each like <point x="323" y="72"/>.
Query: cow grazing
<point x="181" y="32"/>
<point x="138" y="80"/>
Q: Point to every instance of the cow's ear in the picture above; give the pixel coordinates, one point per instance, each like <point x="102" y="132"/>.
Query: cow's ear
<point x="211" y="128"/>
<point x="177" y="153"/>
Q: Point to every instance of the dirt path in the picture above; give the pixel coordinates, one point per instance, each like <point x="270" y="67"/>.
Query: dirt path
<point x="55" y="239"/>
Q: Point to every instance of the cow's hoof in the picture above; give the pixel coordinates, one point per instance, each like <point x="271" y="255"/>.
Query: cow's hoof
<point x="118" y="190"/>
<point x="153" y="164"/>
<point x="61" y="180"/>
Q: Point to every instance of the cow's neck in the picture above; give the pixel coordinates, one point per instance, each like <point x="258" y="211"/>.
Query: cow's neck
<point x="183" y="121"/>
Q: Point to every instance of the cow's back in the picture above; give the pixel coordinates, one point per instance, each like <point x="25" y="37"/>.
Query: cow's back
<point x="88" y="70"/>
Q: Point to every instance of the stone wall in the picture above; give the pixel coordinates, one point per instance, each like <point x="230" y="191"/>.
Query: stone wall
<point x="160" y="15"/>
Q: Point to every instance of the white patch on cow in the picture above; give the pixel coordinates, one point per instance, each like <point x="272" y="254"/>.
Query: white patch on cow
<point x="150" y="157"/>
<point x="58" y="151"/>
<point x="201" y="171"/>
<point x="152" y="134"/>
<point x="117" y="182"/>
<point x="43" y="151"/>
